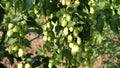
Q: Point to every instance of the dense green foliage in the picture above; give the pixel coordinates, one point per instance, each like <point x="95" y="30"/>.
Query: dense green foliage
<point x="75" y="31"/>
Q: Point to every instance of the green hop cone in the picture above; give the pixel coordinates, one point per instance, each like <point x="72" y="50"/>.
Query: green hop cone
<point x="49" y="38"/>
<point x="71" y="29"/>
<point x="15" y="48"/>
<point x="86" y="49"/>
<point x="44" y="27"/>
<point x="22" y="34"/>
<point x="70" y="38"/>
<point x="65" y="31"/>
<point x="68" y="17"/>
<point x="20" y="65"/>
<point x="75" y="32"/>
<point x="68" y="2"/>
<point x="99" y="39"/>
<point x="78" y="40"/>
<point x="45" y="33"/>
<point x="35" y="11"/>
<point x="45" y="38"/>
<point x="20" y="52"/>
<point x="50" y="63"/>
<point x="74" y="49"/>
<point x="48" y="25"/>
<point x="10" y="26"/>
<point x="27" y="65"/>
<point x="16" y="29"/>
<point x="9" y="33"/>
<point x="63" y="22"/>
<point x="71" y="45"/>
<point x="76" y="3"/>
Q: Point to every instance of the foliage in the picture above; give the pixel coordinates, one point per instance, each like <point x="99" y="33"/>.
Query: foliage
<point x="74" y="31"/>
<point x="110" y="65"/>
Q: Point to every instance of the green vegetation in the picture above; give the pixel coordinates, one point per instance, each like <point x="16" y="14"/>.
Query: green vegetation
<point x="75" y="32"/>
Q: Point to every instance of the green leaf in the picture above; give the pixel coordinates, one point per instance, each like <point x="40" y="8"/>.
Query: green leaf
<point x="16" y="19"/>
<point x="26" y="42"/>
<point x="70" y="24"/>
<point x="58" y="28"/>
<point x="15" y="1"/>
<point x="18" y="5"/>
<point x="71" y="9"/>
<point x="66" y="53"/>
<point x="116" y="2"/>
<point x="11" y="40"/>
<point x="27" y="4"/>
<point x="100" y="22"/>
<point x="113" y="23"/>
<point x="2" y="12"/>
<point x="107" y="64"/>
